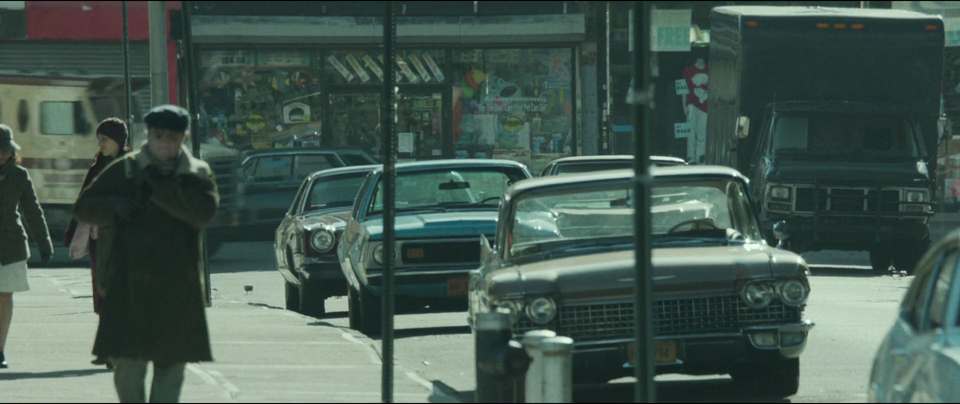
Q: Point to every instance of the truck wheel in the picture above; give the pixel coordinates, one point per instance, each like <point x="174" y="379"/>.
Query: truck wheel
<point x="312" y="299"/>
<point x="909" y="255"/>
<point x="292" y="296"/>
<point x="776" y="379"/>
<point x="880" y="260"/>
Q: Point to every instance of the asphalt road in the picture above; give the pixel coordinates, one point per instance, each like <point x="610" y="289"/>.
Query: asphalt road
<point x="852" y="307"/>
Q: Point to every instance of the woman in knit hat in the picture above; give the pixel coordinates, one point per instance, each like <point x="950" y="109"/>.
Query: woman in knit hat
<point x="81" y="238"/>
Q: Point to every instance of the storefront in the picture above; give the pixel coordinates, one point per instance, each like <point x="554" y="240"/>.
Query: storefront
<point x="494" y="100"/>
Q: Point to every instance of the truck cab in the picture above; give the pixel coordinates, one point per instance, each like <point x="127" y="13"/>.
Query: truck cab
<point x="833" y="115"/>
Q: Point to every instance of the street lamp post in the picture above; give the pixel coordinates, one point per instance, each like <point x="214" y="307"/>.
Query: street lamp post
<point x="642" y="100"/>
<point x="389" y="194"/>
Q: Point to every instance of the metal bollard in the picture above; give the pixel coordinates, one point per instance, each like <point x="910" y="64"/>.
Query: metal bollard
<point x="499" y="360"/>
<point x="557" y="369"/>
<point x="532" y="344"/>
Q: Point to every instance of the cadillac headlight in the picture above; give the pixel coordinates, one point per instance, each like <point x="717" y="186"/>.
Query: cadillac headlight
<point x="542" y="310"/>
<point x="780" y="193"/>
<point x="323" y="241"/>
<point x="757" y="295"/>
<point x="793" y="293"/>
<point x="378" y="254"/>
<point x="511" y="307"/>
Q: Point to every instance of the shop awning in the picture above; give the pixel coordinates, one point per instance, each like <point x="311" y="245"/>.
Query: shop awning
<point x="561" y="28"/>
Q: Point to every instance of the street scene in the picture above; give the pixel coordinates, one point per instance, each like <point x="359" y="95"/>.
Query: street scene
<point x="455" y="202"/>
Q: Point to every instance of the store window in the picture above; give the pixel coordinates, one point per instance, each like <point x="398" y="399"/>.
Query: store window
<point x="514" y="104"/>
<point x="260" y="98"/>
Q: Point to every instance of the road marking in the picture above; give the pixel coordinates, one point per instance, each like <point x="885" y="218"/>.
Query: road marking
<point x="297" y="343"/>
<point x="230" y="391"/>
<point x="372" y="351"/>
<point x="287" y="367"/>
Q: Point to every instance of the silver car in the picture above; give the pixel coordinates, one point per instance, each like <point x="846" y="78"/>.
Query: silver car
<point x="919" y="360"/>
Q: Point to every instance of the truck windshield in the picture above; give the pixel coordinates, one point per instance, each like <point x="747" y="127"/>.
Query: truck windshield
<point x="853" y="137"/>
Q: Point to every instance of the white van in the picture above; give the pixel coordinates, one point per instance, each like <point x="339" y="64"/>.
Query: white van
<point x="54" y="124"/>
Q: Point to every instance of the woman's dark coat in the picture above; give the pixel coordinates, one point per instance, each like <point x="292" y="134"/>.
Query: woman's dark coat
<point x="20" y="214"/>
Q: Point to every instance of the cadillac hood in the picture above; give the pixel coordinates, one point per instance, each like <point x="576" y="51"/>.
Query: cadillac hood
<point x="700" y="270"/>
<point x="438" y="225"/>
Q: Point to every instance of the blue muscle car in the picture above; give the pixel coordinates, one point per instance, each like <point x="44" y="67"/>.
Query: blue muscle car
<point x="443" y="209"/>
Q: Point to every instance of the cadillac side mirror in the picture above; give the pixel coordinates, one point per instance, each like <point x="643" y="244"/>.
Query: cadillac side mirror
<point x="743" y="127"/>
<point x="781" y="233"/>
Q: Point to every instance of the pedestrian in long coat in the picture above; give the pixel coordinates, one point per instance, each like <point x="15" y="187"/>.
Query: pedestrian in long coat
<point x="81" y="238"/>
<point x="18" y="206"/>
<point x="151" y="206"/>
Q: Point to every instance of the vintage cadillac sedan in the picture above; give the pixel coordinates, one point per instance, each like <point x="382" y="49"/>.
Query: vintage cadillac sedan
<point x="306" y="240"/>
<point x="725" y="302"/>
<point x="443" y="209"/>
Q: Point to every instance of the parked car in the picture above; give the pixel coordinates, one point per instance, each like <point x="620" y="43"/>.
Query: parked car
<point x="306" y="240"/>
<point x="265" y="186"/>
<point x="919" y="360"/>
<point x="443" y="207"/>
<point x="725" y="302"/>
<point x="583" y="164"/>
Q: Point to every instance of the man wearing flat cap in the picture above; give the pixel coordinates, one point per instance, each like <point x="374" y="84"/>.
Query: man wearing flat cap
<point x="151" y="206"/>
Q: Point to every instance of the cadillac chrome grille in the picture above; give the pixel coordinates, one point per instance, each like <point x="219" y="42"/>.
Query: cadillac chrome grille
<point x="587" y="322"/>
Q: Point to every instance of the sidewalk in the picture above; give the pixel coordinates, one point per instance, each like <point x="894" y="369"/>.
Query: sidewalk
<point x="262" y="353"/>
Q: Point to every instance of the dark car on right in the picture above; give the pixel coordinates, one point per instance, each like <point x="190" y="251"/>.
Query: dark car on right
<point x="724" y="301"/>
<point x="584" y="164"/>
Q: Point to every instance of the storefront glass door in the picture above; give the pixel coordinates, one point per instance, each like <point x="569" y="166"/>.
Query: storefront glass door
<point x="354" y="120"/>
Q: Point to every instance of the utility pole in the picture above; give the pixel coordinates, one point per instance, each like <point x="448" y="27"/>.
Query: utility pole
<point x="642" y="101"/>
<point x="128" y="90"/>
<point x="159" y="89"/>
<point x="389" y="194"/>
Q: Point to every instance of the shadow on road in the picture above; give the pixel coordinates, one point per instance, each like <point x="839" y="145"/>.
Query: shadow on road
<point x="52" y="375"/>
<point x="427" y="332"/>
<point x="713" y="390"/>
<point x="848" y="271"/>
<point x="334" y="315"/>
<point x="709" y="390"/>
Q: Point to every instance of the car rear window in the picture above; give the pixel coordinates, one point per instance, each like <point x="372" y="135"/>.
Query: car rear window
<point x="273" y="168"/>
<point x="356" y="159"/>
<point x="585" y="167"/>
<point x="310" y="163"/>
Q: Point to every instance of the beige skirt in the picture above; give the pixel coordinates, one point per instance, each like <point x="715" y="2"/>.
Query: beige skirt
<point x="13" y="277"/>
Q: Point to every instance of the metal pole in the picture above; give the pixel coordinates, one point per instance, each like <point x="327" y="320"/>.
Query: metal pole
<point x="492" y="338"/>
<point x="642" y="103"/>
<point x="128" y="96"/>
<point x="156" y="12"/>
<point x="389" y="193"/>
<point x="557" y="377"/>
<point x="533" y="385"/>
<point x="193" y="104"/>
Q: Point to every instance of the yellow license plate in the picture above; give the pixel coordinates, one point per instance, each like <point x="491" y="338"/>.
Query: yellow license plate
<point x="664" y="352"/>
